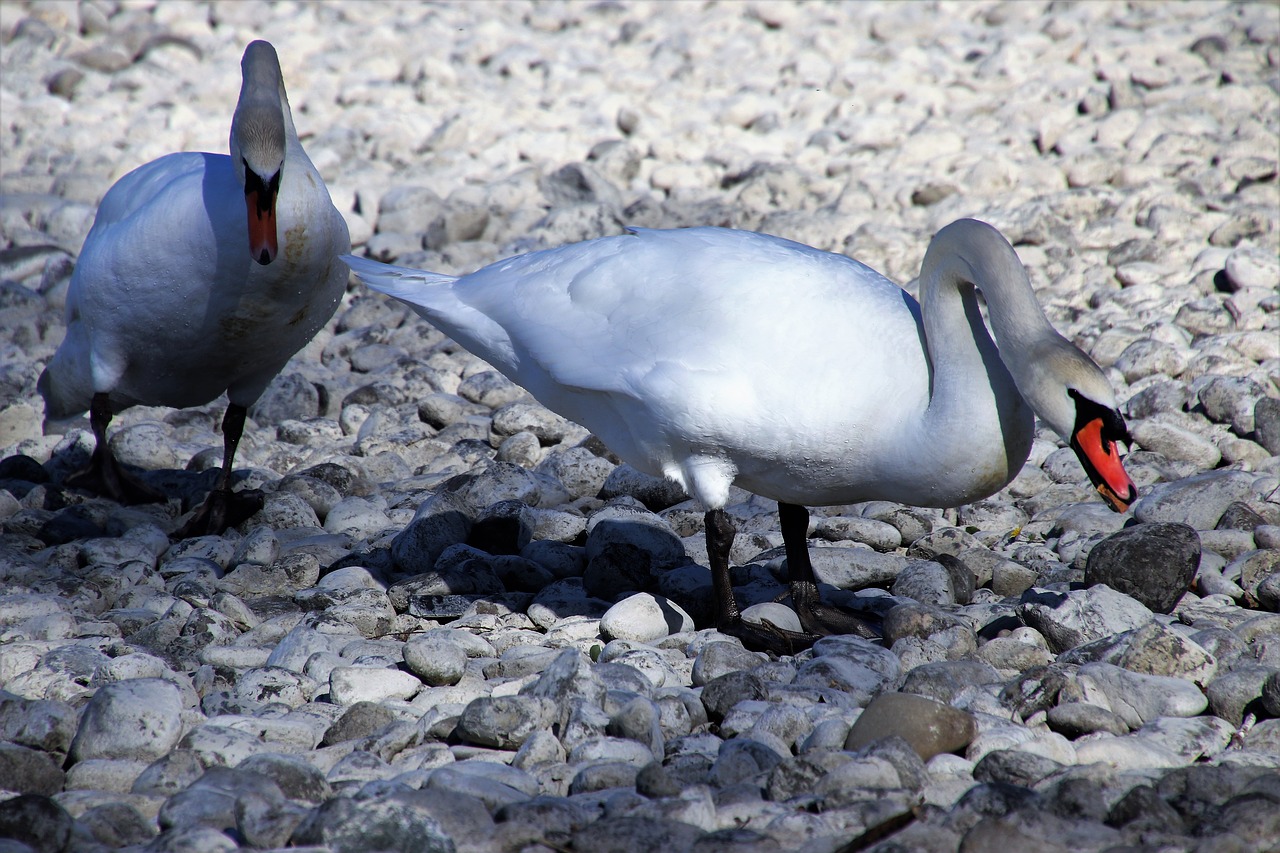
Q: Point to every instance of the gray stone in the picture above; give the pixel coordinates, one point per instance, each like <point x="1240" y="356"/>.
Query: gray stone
<point x="1232" y="692"/>
<point x="441" y="521"/>
<point x="35" y="821"/>
<point x="30" y="771"/>
<point x="296" y="778"/>
<point x="505" y="722"/>
<point x="1074" y="719"/>
<point x="359" y="721"/>
<point x="139" y="719"/>
<point x="1153" y="563"/>
<point x="1197" y="501"/>
<point x="435" y="660"/>
<point x="1071" y="619"/>
<point x="1014" y="767"/>
<point x="345" y="826"/>
<point x="1139" y="699"/>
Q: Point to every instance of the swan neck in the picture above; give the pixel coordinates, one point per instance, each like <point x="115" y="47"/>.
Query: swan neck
<point x="977" y="417"/>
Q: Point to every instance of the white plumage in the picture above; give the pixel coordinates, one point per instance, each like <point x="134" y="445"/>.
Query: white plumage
<point x="203" y="273"/>
<point x="714" y="357"/>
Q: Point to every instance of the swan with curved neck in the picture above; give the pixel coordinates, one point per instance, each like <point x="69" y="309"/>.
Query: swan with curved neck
<point x="202" y="273"/>
<point x="717" y="357"/>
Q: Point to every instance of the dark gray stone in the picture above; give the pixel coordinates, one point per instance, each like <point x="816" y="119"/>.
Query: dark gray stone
<point x="1153" y="563"/>
<point x="1231" y="693"/>
<point x="360" y="720"/>
<point x="505" y="722"/>
<point x="720" y="694"/>
<point x="1015" y="767"/>
<point x="632" y="834"/>
<point x="297" y="779"/>
<point x="289" y="397"/>
<point x="37" y="821"/>
<point x="443" y="520"/>
<point x="345" y="826"/>
<point x="29" y="771"/>
<point x="1074" y="719"/>
<point x="42" y="724"/>
<point x="1266" y="424"/>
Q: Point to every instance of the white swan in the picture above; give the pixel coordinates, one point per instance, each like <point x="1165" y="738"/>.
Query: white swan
<point x="712" y="356"/>
<point x="202" y="273"/>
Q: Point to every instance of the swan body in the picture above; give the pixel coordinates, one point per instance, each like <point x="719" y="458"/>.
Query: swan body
<point x="718" y="357"/>
<point x="202" y="273"/>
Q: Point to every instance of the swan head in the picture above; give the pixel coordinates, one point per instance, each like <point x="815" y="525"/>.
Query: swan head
<point x="258" y="140"/>
<point x="1072" y="396"/>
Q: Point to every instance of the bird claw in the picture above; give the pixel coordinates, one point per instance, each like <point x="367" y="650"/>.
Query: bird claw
<point x="222" y="509"/>
<point x="824" y="619"/>
<point x="767" y="637"/>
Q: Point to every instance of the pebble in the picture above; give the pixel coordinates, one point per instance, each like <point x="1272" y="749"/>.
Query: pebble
<point x="409" y="640"/>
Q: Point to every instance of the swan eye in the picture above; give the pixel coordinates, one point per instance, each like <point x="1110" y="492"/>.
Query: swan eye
<point x="1114" y="430"/>
<point x="263" y="192"/>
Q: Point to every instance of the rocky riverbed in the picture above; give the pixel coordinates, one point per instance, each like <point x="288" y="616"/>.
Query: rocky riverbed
<point x="458" y="624"/>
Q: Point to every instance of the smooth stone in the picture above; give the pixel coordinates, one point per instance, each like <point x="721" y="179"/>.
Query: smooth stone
<point x="1154" y="649"/>
<point x="140" y="719"/>
<point x="1193" y="738"/>
<point x="1014" y="767"/>
<point x="345" y="826"/>
<point x="351" y="684"/>
<point x="36" y="822"/>
<point x="1074" y="719"/>
<point x="435" y="660"/>
<point x="1138" y="699"/>
<point x="505" y="722"/>
<point x="1198" y="501"/>
<point x="1232" y="692"/>
<point x="1127" y="753"/>
<point x="30" y="771"/>
<point x="644" y="617"/>
<point x="930" y="727"/>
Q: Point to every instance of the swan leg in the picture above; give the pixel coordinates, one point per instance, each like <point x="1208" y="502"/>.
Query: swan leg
<point x="767" y="636"/>
<point x="224" y="508"/>
<point x="814" y="615"/>
<point x="105" y="475"/>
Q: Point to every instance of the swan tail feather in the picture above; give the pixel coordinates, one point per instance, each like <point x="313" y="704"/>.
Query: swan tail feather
<point x="403" y="283"/>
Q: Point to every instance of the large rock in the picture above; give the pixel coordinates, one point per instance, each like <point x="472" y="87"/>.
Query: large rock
<point x="1153" y="563"/>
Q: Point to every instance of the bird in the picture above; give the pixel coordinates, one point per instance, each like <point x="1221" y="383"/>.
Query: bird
<point x="201" y="274"/>
<point x="717" y="357"/>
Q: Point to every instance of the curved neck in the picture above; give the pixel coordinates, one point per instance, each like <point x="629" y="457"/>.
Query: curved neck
<point x="978" y="423"/>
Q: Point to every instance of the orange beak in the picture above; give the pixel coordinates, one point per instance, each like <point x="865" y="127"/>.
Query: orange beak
<point x="261" y="204"/>
<point x="1101" y="460"/>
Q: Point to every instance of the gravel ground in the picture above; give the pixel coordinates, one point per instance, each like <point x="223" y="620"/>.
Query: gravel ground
<point x="459" y="624"/>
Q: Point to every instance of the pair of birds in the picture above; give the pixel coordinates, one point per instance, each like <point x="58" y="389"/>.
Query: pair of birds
<point x="708" y="356"/>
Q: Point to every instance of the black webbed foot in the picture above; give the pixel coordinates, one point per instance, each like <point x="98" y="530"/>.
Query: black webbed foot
<point x="222" y="509"/>
<point x="104" y="475"/>
<point x="823" y="619"/>
<point x="767" y="637"/>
